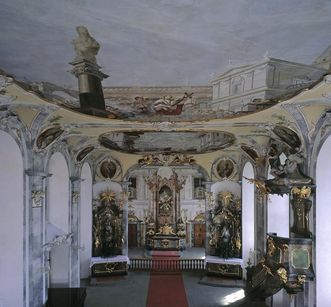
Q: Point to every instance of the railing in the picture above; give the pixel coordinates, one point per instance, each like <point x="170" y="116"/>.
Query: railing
<point x="166" y="265"/>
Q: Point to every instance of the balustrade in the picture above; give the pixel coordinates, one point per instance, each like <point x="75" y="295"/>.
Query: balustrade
<point x="166" y="265"/>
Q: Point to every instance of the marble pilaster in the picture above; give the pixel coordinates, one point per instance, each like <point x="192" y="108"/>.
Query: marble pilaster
<point x="38" y="261"/>
<point x="74" y="272"/>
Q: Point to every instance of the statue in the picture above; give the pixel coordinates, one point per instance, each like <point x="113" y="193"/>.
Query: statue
<point x="225" y="246"/>
<point x="86" y="47"/>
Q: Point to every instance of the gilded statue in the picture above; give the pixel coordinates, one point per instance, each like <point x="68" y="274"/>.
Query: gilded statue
<point x="301" y="205"/>
<point x="86" y="47"/>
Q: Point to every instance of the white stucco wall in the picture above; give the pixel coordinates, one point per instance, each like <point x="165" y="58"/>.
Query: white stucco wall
<point x="11" y="226"/>
<point x="58" y="218"/>
<point x="278" y="211"/>
<point x="323" y="225"/>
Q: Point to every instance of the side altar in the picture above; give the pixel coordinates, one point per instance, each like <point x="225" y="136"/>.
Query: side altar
<point x="108" y="256"/>
<point x="165" y="226"/>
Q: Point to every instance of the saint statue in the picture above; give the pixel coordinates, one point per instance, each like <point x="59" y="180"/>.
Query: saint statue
<point x="86" y="47"/>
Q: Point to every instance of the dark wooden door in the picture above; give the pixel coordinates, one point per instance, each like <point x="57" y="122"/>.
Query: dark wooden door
<point x="199" y="235"/>
<point x="132" y="235"/>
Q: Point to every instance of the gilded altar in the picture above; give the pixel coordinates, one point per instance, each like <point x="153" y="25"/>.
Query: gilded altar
<point x="108" y="229"/>
<point x="165" y="228"/>
<point x="224" y="222"/>
<point x="166" y="239"/>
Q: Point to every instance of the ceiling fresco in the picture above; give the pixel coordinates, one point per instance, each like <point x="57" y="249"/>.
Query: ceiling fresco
<point x="159" y="42"/>
<point x="160" y="103"/>
<point x="167" y="142"/>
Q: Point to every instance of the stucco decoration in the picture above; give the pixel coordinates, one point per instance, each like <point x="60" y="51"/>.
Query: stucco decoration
<point x="163" y="159"/>
<point x="37" y="199"/>
<point x="167" y="142"/>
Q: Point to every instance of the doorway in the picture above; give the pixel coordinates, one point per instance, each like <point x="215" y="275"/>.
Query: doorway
<point x="199" y="235"/>
<point x="132" y="235"/>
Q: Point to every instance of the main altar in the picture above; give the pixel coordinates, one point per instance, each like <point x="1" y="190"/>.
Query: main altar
<point x="165" y="226"/>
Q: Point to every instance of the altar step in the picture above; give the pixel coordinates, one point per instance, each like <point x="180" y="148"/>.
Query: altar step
<point x="166" y="264"/>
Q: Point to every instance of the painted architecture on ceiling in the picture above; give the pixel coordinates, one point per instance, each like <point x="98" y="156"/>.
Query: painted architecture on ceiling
<point x="166" y="171"/>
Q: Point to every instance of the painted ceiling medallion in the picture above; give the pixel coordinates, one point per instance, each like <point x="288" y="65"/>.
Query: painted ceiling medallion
<point x="84" y="152"/>
<point x="108" y="169"/>
<point x="167" y="142"/>
<point x="48" y="136"/>
<point x="250" y="152"/>
<point x="288" y="136"/>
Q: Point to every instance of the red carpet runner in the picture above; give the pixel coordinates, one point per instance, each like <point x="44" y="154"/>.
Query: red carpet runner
<point x="166" y="290"/>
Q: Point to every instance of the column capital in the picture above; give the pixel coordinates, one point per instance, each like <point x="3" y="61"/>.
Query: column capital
<point x="88" y="68"/>
<point x="33" y="173"/>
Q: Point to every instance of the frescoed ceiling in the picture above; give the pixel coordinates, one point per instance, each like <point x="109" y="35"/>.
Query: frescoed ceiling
<point x="159" y="42"/>
<point x="167" y="142"/>
<point x="161" y="56"/>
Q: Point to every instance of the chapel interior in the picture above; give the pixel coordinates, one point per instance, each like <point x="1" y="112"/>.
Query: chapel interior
<point x="137" y="169"/>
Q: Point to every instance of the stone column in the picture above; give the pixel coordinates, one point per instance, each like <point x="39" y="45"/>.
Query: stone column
<point x="38" y="266"/>
<point x="90" y="89"/>
<point x="74" y="226"/>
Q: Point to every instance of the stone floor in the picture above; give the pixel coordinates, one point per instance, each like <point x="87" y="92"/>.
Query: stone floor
<point x="131" y="290"/>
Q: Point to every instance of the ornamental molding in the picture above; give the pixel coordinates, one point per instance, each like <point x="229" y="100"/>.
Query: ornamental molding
<point x="165" y="126"/>
<point x="37" y="199"/>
